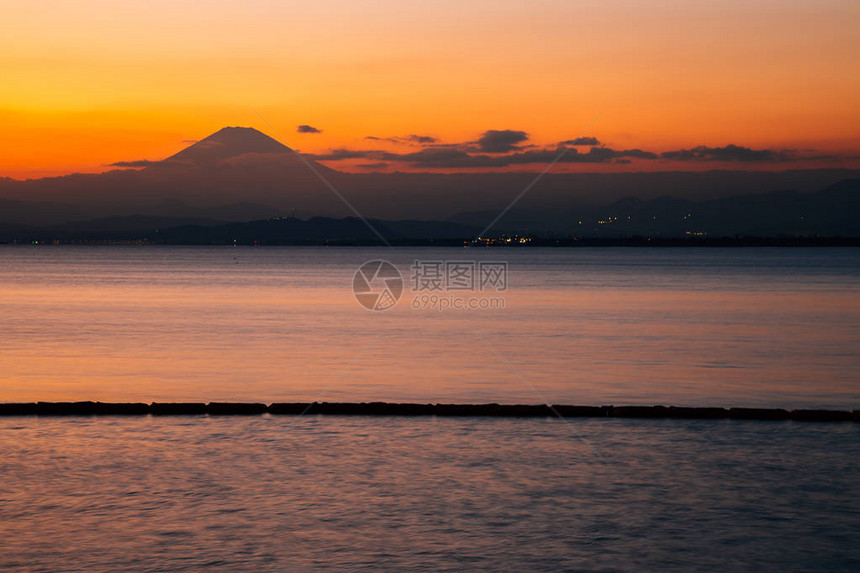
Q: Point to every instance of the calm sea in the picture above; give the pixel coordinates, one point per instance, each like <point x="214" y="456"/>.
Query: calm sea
<point x="769" y="327"/>
<point x="719" y="327"/>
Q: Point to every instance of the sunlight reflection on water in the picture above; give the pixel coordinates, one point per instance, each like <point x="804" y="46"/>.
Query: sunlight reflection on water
<point x="746" y="327"/>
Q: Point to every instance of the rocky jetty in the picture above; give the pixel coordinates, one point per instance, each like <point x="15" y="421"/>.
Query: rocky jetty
<point x="88" y="408"/>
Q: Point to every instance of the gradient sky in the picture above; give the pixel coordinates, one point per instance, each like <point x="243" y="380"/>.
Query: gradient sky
<point x="86" y="84"/>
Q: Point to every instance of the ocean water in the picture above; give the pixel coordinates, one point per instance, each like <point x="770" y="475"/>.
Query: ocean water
<point x="719" y="327"/>
<point x="417" y="494"/>
<point x="774" y="327"/>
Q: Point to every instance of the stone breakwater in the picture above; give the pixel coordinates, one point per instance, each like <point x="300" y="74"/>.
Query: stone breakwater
<point x="411" y="409"/>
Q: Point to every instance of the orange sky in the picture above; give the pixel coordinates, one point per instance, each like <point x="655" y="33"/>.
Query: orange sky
<point x="85" y="84"/>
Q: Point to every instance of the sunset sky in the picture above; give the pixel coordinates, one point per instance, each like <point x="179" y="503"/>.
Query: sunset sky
<point x="87" y="85"/>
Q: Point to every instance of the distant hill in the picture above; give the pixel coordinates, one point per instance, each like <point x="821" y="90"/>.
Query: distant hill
<point x="279" y="231"/>
<point x="833" y="211"/>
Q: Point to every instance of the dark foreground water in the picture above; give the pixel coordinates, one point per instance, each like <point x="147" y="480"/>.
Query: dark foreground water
<point x="408" y="494"/>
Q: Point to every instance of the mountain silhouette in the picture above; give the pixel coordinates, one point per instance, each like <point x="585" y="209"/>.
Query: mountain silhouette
<point x="227" y="143"/>
<point x="240" y="174"/>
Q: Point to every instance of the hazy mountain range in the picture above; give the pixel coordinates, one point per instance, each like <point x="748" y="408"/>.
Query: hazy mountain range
<point x="239" y="175"/>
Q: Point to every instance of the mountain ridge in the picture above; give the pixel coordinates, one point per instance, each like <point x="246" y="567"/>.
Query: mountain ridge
<point x="236" y="166"/>
<point x="226" y="143"/>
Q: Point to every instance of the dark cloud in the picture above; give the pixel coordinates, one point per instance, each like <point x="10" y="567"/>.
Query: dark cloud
<point x="444" y="157"/>
<point x="427" y="157"/>
<point x="630" y="153"/>
<point x="422" y="139"/>
<point x="338" y="154"/>
<point x="373" y="166"/>
<point x="502" y="148"/>
<point x="501" y="141"/>
<point x="308" y="129"/>
<point x="138" y="163"/>
<point x="594" y="155"/>
<point x="730" y="152"/>
<point x="452" y="157"/>
<point x="413" y="138"/>
<point x="460" y="146"/>
<point x="581" y="141"/>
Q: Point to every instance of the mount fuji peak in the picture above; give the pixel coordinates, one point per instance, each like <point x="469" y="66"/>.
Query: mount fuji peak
<point x="226" y="143"/>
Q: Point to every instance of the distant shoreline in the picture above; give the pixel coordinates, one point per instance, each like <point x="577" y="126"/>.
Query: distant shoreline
<point x="461" y="243"/>
<point x="79" y="409"/>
